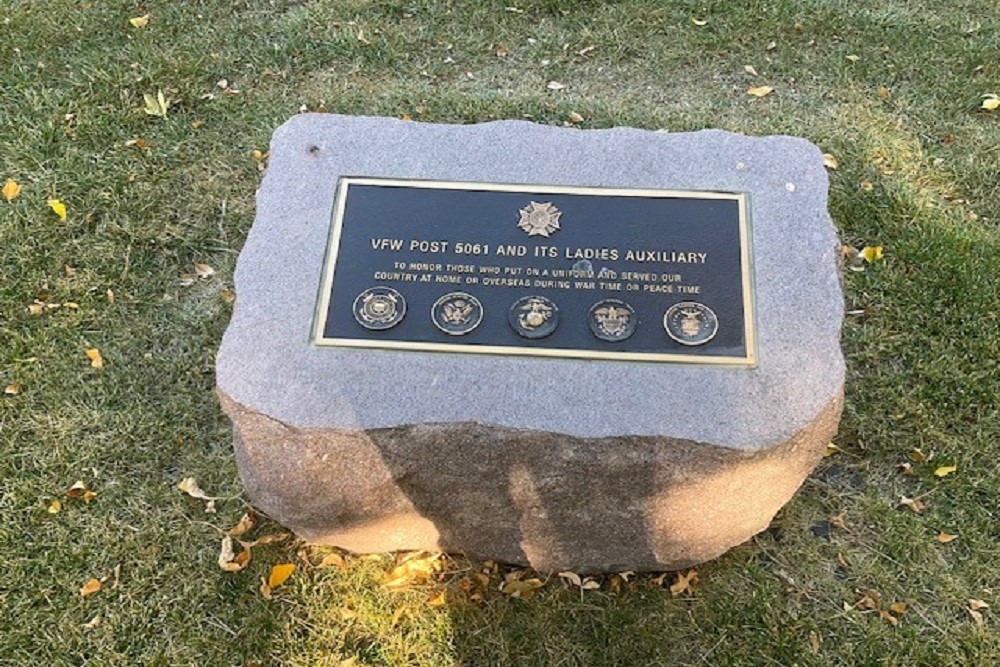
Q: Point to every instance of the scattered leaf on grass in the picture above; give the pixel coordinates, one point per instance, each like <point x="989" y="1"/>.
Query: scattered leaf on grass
<point x="867" y="186"/>
<point x="92" y="623"/>
<point x="919" y="456"/>
<point x="140" y="21"/>
<point x="872" y="253"/>
<point x="898" y="608"/>
<point x="203" y="270"/>
<point x="227" y="295"/>
<point x="944" y="471"/>
<point x="555" y="85"/>
<point x="229" y="561"/>
<point x="10" y="189"/>
<point x="991" y="103"/>
<point x="831" y="449"/>
<point x="413" y="568"/>
<point x="141" y="144"/>
<point x="829" y="161"/>
<point x="915" y="505"/>
<point x="156" y="106"/>
<point x="945" y="538"/>
<point x="96" y="360"/>
<point x="814" y="641"/>
<point x="854" y="58"/>
<point x="575" y="118"/>
<point x="80" y="490"/>
<point x="749" y="69"/>
<point x="571" y="577"/>
<point x="91" y="587"/>
<point x="279" y="574"/>
<point x="58" y="207"/>
<point x="699" y="22"/>
<point x="906" y="469"/>
<point x="12" y="389"/>
<point x="190" y="486"/>
<point x="54" y="507"/>
<point x="889" y="618"/>
<point x="242" y="526"/>
<point x="265" y="539"/>
<point x="333" y="559"/>
<point x="685" y="583"/>
<point x="438" y="599"/>
<point x="884" y="92"/>
<point x="977" y="605"/>
<point x="521" y="588"/>
<point x="760" y="91"/>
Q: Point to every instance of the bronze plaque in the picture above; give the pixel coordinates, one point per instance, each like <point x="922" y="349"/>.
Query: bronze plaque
<point x="585" y="272"/>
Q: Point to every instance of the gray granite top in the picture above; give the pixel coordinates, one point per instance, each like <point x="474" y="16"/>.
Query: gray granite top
<point x="267" y="362"/>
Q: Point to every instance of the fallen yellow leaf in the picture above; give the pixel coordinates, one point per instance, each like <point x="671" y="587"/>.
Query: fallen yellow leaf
<point x="12" y="389"/>
<point x="54" y="507"/>
<point x="944" y="471"/>
<point x="685" y="583"/>
<point x="853" y="58"/>
<point x="96" y="360"/>
<point x="58" y="207"/>
<point x="698" y="22"/>
<point x="977" y="605"/>
<point x="279" y="574"/>
<point x="91" y="587"/>
<point x="333" y="559"/>
<point x="190" y="486"/>
<point x="915" y="505"/>
<point x="830" y="161"/>
<point x="872" y="253"/>
<point x="760" y="91"/>
<point x="437" y="600"/>
<point x="574" y="118"/>
<point x="884" y="92"/>
<point x="229" y="561"/>
<point x="140" y="21"/>
<point x="156" y="106"/>
<point x="750" y="69"/>
<point x="555" y="85"/>
<point x="831" y="449"/>
<point x="945" y="538"/>
<point x="991" y="103"/>
<point x="244" y="524"/>
<point x="203" y="270"/>
<point x="10" y="189"/>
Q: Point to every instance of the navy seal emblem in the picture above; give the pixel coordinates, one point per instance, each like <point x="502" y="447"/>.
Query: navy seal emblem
<point x="612" y="320"/>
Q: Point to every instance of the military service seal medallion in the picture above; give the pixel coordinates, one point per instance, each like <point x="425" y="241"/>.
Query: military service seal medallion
<point x="533" y="317"/>
<point x="539" y="219"/>
<point x="612" y="320"/>
<point x="457" y="313"/>
<point x="691" y="323"/>
<point x="379" y="308"/>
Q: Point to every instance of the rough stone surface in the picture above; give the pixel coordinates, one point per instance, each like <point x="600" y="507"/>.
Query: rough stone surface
<point x="593" y="465"/>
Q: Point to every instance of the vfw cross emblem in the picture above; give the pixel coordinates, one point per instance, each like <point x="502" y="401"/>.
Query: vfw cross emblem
<point x="539" y="219"/>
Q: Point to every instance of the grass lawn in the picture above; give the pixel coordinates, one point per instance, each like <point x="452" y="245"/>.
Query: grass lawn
<point x="892" y="89"/>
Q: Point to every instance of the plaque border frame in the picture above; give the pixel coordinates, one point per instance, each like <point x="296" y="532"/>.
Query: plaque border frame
<point x="322" y="309"/>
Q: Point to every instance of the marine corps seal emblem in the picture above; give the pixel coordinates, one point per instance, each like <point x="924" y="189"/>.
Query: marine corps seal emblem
<point x="533" y="317"/>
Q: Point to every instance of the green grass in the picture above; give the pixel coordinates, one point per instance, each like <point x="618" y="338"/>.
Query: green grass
<point x="923" y="358"/>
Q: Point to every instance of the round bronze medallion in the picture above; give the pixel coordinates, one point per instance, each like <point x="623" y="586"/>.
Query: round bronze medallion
<point x="533" y="316"/>
<point x="612" y="320"/>
<point x="379" y="308"/>
<point x="457" y="313"/>
<point x="691" y="323"/>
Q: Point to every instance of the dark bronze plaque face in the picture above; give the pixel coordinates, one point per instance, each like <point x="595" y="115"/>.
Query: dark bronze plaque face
<point x="595" y="273"/>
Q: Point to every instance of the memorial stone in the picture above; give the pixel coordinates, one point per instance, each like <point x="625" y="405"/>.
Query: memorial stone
<point x="596" y="350"/>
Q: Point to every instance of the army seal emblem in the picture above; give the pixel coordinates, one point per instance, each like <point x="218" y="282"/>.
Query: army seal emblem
<point x="612" y="320"/>
<point x="539" y="219"/>
<point x="379" y="308"/>
<point x="457" y="313"/>
<point x="533" y="317"/>
<point x="691" y="323"/>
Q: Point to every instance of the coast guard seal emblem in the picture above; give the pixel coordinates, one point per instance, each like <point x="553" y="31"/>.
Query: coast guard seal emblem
<point x="379" y="308"/>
